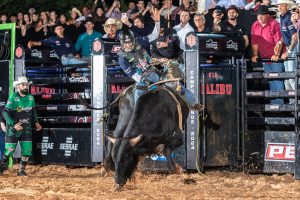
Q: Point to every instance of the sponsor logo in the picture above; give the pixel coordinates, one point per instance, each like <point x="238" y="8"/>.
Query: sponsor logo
<point x="53" y="54"/>
<point x="24" y="121"/>
<point x="273" y="75"/>
<point x="97" y="46"/>
<point x="81" y="79"/>
<point x="274" y="107"/>
<point x="51" y="108"/>
<point x="280" y="152"/>
<point x="46" y="96"/>
<point x="27" y="109"/>
<point x="19" y="52"/>
<point x="76" y="108"/>
<point x="41" y="90"/>
<point x="210" y="44"/>
<point x="222" y="89"/>
<point x="232" y="45"/>
<point x="191" y="40"/>
<point x="115" y="48"/>
<point x="46" y="145"/>
<point x="36" y="53"/>
<point x="82" y="119"/>
<point x="68" y="147"/>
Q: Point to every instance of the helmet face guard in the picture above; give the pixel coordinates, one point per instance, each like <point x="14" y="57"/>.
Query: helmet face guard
<point x="127" y="40"/>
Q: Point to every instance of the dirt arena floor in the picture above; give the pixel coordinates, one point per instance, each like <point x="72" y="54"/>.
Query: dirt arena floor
<point x="59" y="182"/>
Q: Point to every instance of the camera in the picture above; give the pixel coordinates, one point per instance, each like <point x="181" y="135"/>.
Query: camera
<point x="295" y="10"/>
<point x="218" y="12"/>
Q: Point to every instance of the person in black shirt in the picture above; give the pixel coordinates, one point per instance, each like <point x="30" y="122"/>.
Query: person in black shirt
<point x="231" y="25"/>
<point x="61" y="45"/>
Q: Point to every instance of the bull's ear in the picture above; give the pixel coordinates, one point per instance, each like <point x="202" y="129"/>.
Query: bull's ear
<point x="112" y="139"/>
<point x="136" y="140"/>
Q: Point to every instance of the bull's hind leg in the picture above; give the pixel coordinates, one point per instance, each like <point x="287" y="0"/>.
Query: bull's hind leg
<point x="107" y="163"/>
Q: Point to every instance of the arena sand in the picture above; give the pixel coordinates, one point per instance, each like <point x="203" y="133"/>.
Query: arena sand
<point x="59" y="182"/>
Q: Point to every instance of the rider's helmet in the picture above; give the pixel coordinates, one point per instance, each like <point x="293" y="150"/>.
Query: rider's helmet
<point x="127" y="40"/>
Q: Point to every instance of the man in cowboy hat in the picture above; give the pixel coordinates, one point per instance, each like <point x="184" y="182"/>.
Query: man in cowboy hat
<point x="111" y="27"/>
<point x="289" y="39"/>
<point x="265" y="33"/>
<point x="20" y="114"/>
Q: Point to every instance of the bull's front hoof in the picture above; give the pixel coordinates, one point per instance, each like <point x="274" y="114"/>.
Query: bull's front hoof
<point x="103" y="172"/>
<point x="117" y="188"/>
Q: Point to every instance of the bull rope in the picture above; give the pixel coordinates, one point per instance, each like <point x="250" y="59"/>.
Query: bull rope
<point x="164" y="81"/>
<point x="179" y="109"/>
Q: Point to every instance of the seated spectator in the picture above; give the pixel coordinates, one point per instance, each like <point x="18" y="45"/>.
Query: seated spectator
<point x="183" y="28"/>
<point x="138" y="27"/>
<point x="199" y="21"/>
<point x="114" y="11"/>
<point x="111" y="27"/>
<point x="61" y="45"/>
<point x="231" y="25"/>
<point x="85" y="40"/>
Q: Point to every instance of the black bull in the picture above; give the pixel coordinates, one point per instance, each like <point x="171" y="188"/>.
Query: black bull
<point x="153" y="121"/>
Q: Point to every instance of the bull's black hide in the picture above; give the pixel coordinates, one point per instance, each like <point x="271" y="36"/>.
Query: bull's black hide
<point x="153" y="121"/>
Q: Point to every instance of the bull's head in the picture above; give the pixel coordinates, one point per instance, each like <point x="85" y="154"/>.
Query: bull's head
<point x="124" y="157"/>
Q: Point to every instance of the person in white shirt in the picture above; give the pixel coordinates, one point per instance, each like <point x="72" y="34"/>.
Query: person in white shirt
<point x="183" y="28"/>
<point x="225" y="3"/>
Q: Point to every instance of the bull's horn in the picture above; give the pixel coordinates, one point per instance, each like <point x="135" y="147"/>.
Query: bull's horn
<point x="112" y="139"/>
<point x="136" y="140"/>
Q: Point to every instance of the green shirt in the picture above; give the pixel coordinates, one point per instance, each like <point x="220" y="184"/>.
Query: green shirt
<point x="20" y="109"/>
<point x="85" y="42"/>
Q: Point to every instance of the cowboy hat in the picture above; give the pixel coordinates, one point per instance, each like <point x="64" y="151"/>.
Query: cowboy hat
<point x="289" y="2"/>
<point x="111" y="21"/>
<point x="77" y="11"/>
<point x="20" y="80"/>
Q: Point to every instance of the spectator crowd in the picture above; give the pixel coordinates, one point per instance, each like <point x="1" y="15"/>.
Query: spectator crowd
<point x="269" y="28"/>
